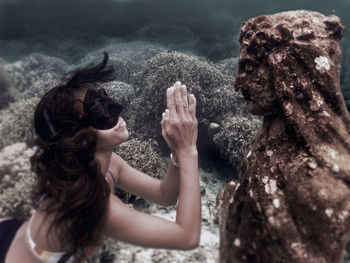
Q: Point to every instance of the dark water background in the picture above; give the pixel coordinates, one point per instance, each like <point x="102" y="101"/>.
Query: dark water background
<point x="69" y="29"/>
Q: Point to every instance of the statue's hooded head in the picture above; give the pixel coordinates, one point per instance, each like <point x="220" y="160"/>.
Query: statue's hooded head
<point x="290" y="58"/>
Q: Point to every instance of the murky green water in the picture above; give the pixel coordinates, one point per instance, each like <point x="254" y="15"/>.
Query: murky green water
<point x="209" y="28"/>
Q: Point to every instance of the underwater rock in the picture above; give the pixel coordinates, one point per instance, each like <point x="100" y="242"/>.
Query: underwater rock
<point x="34" y="75"/>
<point x="16" y="122"/>
<point x="213" y="90"/>
<point x="126" y="58"/>
<point x="16" y="181"/>
<point x="292" y="201"/>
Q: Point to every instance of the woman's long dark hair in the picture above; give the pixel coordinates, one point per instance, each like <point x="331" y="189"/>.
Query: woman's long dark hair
<point x="67" y="173"/>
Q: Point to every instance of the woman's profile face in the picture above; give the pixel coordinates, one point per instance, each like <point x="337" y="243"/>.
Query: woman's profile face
<point x="108" y="139"/>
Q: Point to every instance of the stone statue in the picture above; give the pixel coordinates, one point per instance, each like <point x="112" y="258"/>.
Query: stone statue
<point x="292" y="201"/>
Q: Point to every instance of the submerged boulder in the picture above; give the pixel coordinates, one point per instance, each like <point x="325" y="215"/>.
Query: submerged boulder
<point x="292" y="201"/>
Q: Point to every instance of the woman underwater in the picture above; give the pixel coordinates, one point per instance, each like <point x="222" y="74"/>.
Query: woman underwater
<point x="77" y="126"/>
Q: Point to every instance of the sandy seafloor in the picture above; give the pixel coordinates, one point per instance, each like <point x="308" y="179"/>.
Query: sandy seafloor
<point x="208" y="250"/>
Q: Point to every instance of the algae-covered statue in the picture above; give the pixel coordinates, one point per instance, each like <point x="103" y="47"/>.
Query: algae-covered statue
<point x="292" y="202"/>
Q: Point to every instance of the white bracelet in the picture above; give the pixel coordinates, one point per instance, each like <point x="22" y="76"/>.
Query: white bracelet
<point x="175" y="162"/>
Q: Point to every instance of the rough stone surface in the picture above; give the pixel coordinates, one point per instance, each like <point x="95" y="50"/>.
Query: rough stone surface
<point x="16" y="122"/>
<point x="292" y="201"/>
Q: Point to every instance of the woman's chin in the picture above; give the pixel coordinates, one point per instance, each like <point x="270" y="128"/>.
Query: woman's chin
<point x="123" y="136"/>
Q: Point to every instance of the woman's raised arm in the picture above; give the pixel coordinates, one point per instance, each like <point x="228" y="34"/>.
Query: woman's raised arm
<point x="179" y="129"/>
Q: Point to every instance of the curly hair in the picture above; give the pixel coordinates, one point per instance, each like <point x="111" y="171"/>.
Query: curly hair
<point x="301" y="60"/>
<point x="67" y="173"/>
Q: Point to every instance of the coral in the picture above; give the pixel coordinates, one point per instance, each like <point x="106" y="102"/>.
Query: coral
<point x="234" y="137"/>
<point x="228" y="66"/>
<point x="34" y="75"/>
<point x="16" y="181"/>
<point x="291" y="203"/>
<point x="16" y="122"/>
<point x="144" y="156"/>
<point x="122" y="92"/>
<point x="212" y="89"/>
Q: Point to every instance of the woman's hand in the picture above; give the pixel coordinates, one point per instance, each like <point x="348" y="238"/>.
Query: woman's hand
<point x="179" y="129"/>
<point x="179" y="122"/>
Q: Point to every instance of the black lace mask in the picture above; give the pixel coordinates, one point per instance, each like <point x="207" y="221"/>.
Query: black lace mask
<point x="100" y="110"/>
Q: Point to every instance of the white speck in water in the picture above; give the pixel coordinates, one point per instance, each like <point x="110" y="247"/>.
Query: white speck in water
<point x="251" y="193"/>
<point x="269" y="153"/>
<point x="322" y="63"/>
<point x="325" y="114"/>
<point x="332" y="154"/>
<point x="276" y="203"/>
<point x="335" y="168"/>
<point x="279" y="57"/>
<point x="272" y="221"/>
<point x="270" y="185"/>
<point x="265" y="179"/>
<point x="343" y="215"/>
<point x="232" y="183"/>
<point x="312" y="165"/>
<point x="289" y="108"/>
<point x="319" y="103"/>
<point x="237" y="242"/>
<point x="323" y="194"/>
<point x="249" y="153"/>
<point x="231" y="200"/>
<point x="329" y="212"/>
